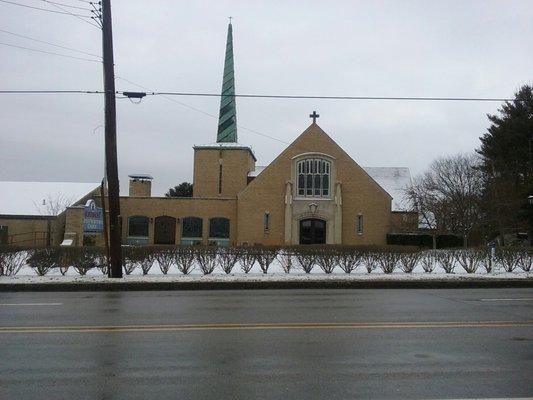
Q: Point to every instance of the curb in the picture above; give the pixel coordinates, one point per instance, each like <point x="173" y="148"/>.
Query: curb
<point x="257" y="285"/>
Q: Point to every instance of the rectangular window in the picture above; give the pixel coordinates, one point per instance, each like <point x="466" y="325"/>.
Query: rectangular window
<point x="266" y="221"/>
<point x="359" y="224"/>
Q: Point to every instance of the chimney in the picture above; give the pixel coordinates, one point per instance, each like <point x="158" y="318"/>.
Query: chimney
<point x="140" y="185"/>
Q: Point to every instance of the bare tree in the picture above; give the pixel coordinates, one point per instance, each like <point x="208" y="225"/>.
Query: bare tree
<point x="448" y="196"/>
<point x="54" y="204"/>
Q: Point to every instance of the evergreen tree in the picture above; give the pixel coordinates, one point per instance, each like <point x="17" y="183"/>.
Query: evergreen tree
<point x="184" y="189"/>
<point x="506" y="152"/>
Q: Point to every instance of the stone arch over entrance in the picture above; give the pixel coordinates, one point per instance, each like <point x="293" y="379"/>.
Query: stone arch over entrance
<point x="313" y="231"/>
<point x="165" y="230"/>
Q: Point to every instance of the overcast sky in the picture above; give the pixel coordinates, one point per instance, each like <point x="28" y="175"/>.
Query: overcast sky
<point x="361" y="48"/>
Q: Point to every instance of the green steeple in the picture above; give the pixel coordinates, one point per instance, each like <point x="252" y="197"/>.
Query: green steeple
<point x="227" y="120"/>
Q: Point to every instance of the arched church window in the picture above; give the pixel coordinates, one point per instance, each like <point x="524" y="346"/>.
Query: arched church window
<point x="314" y="177"/>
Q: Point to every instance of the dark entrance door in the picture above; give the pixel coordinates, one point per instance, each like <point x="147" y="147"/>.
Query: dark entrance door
<point x="312" y="231"/>
<point x="165" y="230"/>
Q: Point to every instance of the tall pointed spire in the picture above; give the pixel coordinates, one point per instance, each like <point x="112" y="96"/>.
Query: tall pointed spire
<point x="227" y="120"/>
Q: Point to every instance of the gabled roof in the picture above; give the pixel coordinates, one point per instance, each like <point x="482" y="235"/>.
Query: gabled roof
<point x="33" y="198"/>
<point x="394" y="180"/>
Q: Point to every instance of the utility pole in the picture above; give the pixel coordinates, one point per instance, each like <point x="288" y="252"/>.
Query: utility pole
<point x="115" y="251"/>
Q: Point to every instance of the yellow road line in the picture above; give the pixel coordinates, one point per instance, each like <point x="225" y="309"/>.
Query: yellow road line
<point x="266" y="326"/>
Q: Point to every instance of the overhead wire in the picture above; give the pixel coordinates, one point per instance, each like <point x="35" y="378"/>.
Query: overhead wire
<point x="50" y="44"/>
<point x="42" y="9"/>
<point x="49" y="52"/>
<point x="203" y="112"/>
<point x="80" y="17"/>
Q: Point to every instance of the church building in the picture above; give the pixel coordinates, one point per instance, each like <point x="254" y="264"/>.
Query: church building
<point x="311" y="193"/>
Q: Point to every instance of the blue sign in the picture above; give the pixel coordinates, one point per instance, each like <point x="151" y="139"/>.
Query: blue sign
<point x="93" y="218"/>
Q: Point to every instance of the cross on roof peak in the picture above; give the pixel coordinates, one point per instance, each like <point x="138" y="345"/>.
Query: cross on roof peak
<point x="314" y="116"/>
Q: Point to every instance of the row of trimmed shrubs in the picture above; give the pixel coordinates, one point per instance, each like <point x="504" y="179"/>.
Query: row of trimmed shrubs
<point x="208" y="258"/>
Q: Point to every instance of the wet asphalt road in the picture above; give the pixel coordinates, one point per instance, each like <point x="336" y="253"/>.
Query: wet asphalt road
<point x="308" y="344"/>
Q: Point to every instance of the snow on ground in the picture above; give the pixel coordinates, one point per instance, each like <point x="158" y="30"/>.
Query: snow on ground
<point x="256" y="277"/>
<point x="275" y="274"/>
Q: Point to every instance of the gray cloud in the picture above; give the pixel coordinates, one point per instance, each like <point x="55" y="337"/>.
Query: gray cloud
<point x="408" y="48"/>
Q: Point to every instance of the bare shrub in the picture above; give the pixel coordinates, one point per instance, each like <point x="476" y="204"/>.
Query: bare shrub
<point x="206" y="257"/>
<point x="43" y="260"/>
<point x="306" y="260"/>
<point x="349" y="259"/>
<point x="84" y="260"/>
<point x="470" y="259"/>
<point x="12" y="260"/>
<point x="130" y="255"/>
<point x="388" y="261"/>
<point x="487" y="262"/>
<point x="428" y="260"/>
<point x="227" y="258"/>
<point x="525" y="259"/>
<point x="508" y="259"/>
<point x="446" y="259"/>
<point x="165" y="258"/>
<point x="327" y="259"/>
<point x="184" y="258"/>
<point x="265" y="255"/>
<point x="370" y="259"/>
<point x="408" y="261"/>
<point x="101" y="261"/>
<point x="285" y="258"/>
<point x="247" y="258"/>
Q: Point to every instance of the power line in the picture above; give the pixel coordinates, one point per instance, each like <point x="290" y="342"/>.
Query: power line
<point x="301" y="97"/>
<point x="202" y="111"/>
<point x="80" y="17"/>
<point x="51" y="92"/>
<point x="70" y="6"/>
<point x="259" y="96"/>
<point x="43" y="9"/>
<point x="49" y="52"/>
<point x="51" y="44"/>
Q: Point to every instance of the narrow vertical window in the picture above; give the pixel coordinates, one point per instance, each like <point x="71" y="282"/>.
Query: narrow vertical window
<point x="359" y="224"/>
<point x="220" y="179"/>
<point x="266" y="221"/>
